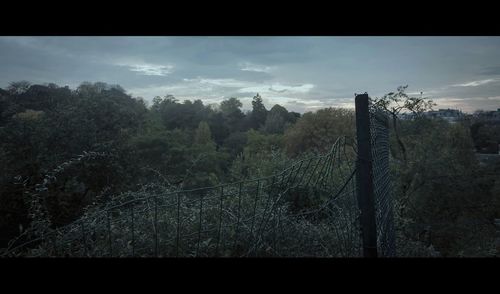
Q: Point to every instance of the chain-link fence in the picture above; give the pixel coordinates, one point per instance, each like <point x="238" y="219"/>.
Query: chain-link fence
<point x="379" y="130"/>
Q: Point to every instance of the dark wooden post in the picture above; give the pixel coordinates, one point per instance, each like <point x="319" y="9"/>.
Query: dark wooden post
<point x="364" y="177"/>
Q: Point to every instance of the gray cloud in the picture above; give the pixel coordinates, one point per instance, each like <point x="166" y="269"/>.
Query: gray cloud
<point x="302" y="72"/>
<point x="476" y="83"/>
<point x="491" y="70"/>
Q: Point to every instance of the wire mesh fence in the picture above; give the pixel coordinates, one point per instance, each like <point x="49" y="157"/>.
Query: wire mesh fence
<point x="379" y="131"/>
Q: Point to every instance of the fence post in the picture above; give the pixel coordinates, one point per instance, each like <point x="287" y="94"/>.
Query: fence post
<point x="364" y="177"/>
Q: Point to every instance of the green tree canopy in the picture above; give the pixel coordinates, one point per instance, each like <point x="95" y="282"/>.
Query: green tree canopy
<point x="203" y="134"/>
<point x="317" y="131"/>
<point x="231" y="111"/>
<point x="276" y="120"/>
<point x="258" y="114"/>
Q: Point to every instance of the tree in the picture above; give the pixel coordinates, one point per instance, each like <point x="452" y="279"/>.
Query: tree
<point x="258" y="114"/>
<point x="261" y="156"/>
<point x="46" y="125"/>
<point x="46" y="98"/>
<point x="317" y="131"/>
<point x="17" y="88"/>
<point x="220" y="129"/>
<point x="156" y="103"/>
<point x="203" y="135"/>
<point x="235" y="143"/>
<point x="486" y="136"/>
<point x="399" y="102"/>
<point x="442" y="189"/>
<point x="293" y="117"/>
<point x="232" y="113"/>
<point x="276" y="120"/>
<point x="186" y="115"/>
<point x="231" y="107"/>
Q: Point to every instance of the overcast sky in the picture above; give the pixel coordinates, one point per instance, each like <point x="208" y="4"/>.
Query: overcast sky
<point x="300" y="73"/>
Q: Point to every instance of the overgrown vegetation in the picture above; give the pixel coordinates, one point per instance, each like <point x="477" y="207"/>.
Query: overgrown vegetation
<point x="65" y="154"/>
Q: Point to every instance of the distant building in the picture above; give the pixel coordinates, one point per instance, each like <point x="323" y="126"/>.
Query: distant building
<point x="488" y="115"/>
<point x="450" y="115"/>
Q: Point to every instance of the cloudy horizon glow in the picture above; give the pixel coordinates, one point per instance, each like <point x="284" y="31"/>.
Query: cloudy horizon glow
<point x="299" y="73"/>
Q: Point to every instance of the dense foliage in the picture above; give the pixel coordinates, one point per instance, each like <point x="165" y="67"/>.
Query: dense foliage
<point x="181" y="144"/>
<point x="89" y="145"/>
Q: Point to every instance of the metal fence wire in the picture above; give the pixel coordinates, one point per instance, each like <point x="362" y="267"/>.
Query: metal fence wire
<point x="379" y="133"/>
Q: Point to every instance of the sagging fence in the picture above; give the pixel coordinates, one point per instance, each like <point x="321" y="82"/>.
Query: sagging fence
<point x="336" y="204"/>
